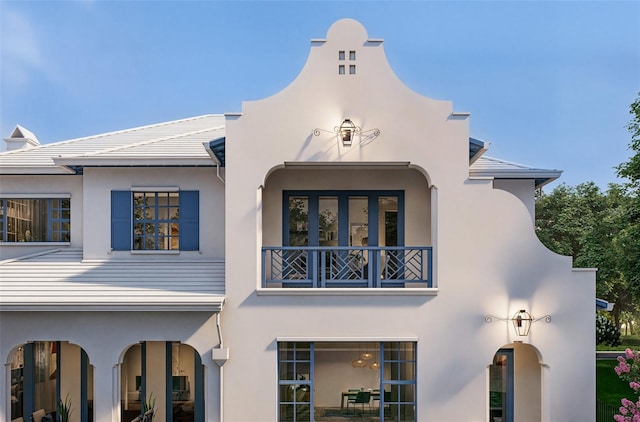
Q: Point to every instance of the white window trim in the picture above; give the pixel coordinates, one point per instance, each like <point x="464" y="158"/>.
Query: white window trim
<point x="155" y="189"/>
<point x="35" y="196"/>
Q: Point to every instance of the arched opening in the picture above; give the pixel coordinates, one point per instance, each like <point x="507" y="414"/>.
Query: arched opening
<point x="341" y="226"/>
<point x="163" y="378"/>
<point x="515" y="384"/>
<point x="46" y="372"/>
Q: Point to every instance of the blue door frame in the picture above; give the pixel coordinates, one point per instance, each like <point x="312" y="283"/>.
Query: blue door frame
<point x="507" y="396"/>
<point x="343" y="214"/>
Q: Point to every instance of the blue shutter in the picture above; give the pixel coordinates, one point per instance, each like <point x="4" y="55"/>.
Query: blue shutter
<point x="189" y="220"/>
<point x="121" y="220"/>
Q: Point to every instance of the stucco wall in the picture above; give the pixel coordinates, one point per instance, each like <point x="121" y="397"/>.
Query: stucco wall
<point x="40" y="186"/>
<point x="488" y="258"/>
<point x="106" y="336"/>
<point x="99" y="182"/>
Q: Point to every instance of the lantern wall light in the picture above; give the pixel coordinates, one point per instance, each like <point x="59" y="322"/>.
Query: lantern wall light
<point x="522" y="321"/>
<point x="347" y="131"/>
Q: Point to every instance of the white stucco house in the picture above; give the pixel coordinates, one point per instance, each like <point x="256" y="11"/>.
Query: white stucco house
<point x="341" y="250"/>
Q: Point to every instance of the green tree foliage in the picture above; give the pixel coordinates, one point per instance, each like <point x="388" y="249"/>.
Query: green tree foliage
<point x="630" y="237"/>
<point x="600" y="229"/>
<point x="592" y="227"/>
<point x="631" y="169"/>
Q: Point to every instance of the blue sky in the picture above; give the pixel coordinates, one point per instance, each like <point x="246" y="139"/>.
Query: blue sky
<point x="549" y="84"/>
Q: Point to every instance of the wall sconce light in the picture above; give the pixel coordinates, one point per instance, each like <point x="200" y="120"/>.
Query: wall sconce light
<point x="347" y="131"/>
<point x="522" y="321"/>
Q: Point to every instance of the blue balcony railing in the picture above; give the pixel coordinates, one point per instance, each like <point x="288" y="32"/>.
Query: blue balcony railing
<point x="344" y="266"/>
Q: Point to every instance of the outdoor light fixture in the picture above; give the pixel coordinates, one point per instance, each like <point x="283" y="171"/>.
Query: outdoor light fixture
<point x="347" y="130"/>
<point x="522" y="321"/>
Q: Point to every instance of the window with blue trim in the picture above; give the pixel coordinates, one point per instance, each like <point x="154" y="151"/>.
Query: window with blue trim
<point x="155" y="221"/>
<point x="347" y="379"/>
<point x="35" y="220"/>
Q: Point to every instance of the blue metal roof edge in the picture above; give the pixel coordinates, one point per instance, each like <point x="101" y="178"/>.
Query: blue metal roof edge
<point x="475" y="146"/>
<point x="217" y="146"/>
<point x="603" y="305"/>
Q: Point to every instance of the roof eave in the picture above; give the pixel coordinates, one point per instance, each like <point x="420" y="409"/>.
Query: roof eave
<point x="541" y="177"/>
<point x="29" y="170"/>
<point x="214" y="304"/>
<point x="198" y="161"/>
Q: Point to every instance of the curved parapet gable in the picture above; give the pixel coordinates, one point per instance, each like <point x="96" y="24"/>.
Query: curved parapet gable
<point x="347" y="76"/>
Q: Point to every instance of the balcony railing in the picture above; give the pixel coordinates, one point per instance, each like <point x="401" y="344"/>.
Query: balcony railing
<point x="344" y="266"/>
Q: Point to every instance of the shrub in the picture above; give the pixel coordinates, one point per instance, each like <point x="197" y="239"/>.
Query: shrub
<point x="606" y="331"/>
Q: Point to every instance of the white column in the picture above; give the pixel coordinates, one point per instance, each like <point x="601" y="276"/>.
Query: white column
<point x="6" y="393"/>
<point x="105" y="395"/>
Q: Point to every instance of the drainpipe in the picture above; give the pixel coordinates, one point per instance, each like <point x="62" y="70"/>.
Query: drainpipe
<point x="220" y="356"/>
<point x="215" y="159"/>
<point x="218" y="173"/>
<point x="219" y="329"/>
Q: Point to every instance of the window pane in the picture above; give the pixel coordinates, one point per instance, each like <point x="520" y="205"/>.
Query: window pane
<point x="286" y="412"/>
<point x="358" y="221"/>
<point x="388" y="220"/>
<point x="406" y="413"/>
<point x="32" y="220"/>
<point x="399" y="379"/>
<point x="154" y="211"/>
<point x="44" y="370"/>
<point x="328" y="221"/>
<point x="295" y="385"/>
<point x="298" y="221"/>
<point x="407" y="393"/>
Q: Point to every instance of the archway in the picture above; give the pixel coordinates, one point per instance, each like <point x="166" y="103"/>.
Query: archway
<point x="165" y="376"/>
<point x="515" y="384"/>
<point x="44" y="372"/>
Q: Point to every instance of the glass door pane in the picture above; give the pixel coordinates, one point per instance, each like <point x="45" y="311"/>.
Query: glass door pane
<point x="501" y="387"/>
<point x="388" y="220"/>
<point x="328" y="221"/>
<point x="298" y="221"/>
<point x="358" y="221"/>
<point x="45" y="375"/>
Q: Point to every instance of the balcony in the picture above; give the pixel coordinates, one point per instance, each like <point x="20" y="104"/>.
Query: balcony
<point x="366" y="267"/>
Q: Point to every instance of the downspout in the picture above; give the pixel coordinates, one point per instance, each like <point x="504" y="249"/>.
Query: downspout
<point x="221" y="416"/>
<point x="215" y="159"/>
<point x="218" y="172"/>
<point x="220" y="356"/>
<point x="220" y="346"/>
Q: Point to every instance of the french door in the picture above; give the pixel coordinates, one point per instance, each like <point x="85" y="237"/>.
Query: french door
<point x="501" y="387"/>
<point x="343" y="218"/>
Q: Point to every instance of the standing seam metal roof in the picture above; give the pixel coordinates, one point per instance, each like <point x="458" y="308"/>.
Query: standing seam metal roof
<point x="60" y="279"/>
<point x="175" y="139"/>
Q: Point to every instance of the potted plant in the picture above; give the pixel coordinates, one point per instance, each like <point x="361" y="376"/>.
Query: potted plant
<point x="64" y="408"/>
<point x="148" y="408"/>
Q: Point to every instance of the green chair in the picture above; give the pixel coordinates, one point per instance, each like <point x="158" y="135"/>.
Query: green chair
<point x="361" y="398"/>
<point x="387" y="398"/>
